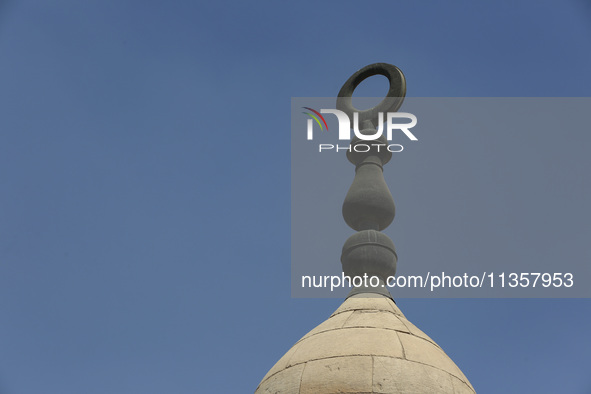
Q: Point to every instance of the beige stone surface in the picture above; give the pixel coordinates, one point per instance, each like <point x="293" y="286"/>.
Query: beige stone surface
<point x="393" y="375"/>
<point x="351" y="374"/>
<point x="282" y="363"/>
<point x="414" y="330"/>
<point x="368" y="302"/>
<point x="366" y="346"/>
<point x="376" y="319"/>
<point x="462" y="387"/>
<point x="422" y="351"/>
<point x="348" y="341"/>
<point x="286" y="381"/>
<point x="332" y="323"/>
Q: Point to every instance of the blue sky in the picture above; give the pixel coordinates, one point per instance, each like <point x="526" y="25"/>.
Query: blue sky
<point x="145" y="224"/>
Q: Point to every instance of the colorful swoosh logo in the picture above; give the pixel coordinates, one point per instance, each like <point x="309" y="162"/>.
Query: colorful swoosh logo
<point x="315" y="116"/>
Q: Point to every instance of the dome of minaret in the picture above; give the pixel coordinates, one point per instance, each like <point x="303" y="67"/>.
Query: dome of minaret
<point x="367" y="345"/>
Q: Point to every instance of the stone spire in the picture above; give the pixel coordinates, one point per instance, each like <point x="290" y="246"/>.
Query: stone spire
<point x="367" y="345"/>
<point x="369" y="207"/>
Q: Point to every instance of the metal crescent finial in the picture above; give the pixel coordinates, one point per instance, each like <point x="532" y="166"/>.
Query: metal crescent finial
<point x="390" y="103"/>
<point x="369" y="207"/>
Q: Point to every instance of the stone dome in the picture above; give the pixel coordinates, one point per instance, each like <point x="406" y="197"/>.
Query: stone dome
<point x="366" y="346"/>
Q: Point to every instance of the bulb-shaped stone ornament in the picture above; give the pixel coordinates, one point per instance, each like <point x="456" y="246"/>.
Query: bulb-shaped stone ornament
<point x="369" y="204"/>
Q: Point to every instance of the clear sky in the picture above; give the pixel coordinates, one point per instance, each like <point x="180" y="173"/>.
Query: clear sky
<point x="145" y="185"/>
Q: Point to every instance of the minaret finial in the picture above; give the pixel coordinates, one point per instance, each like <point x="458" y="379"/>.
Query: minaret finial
<point x="367" y="345"/>
<point x="369" y="206"/>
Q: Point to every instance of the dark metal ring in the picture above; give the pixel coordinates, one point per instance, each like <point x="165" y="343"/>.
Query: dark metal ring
<point x="390" y="103"/>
